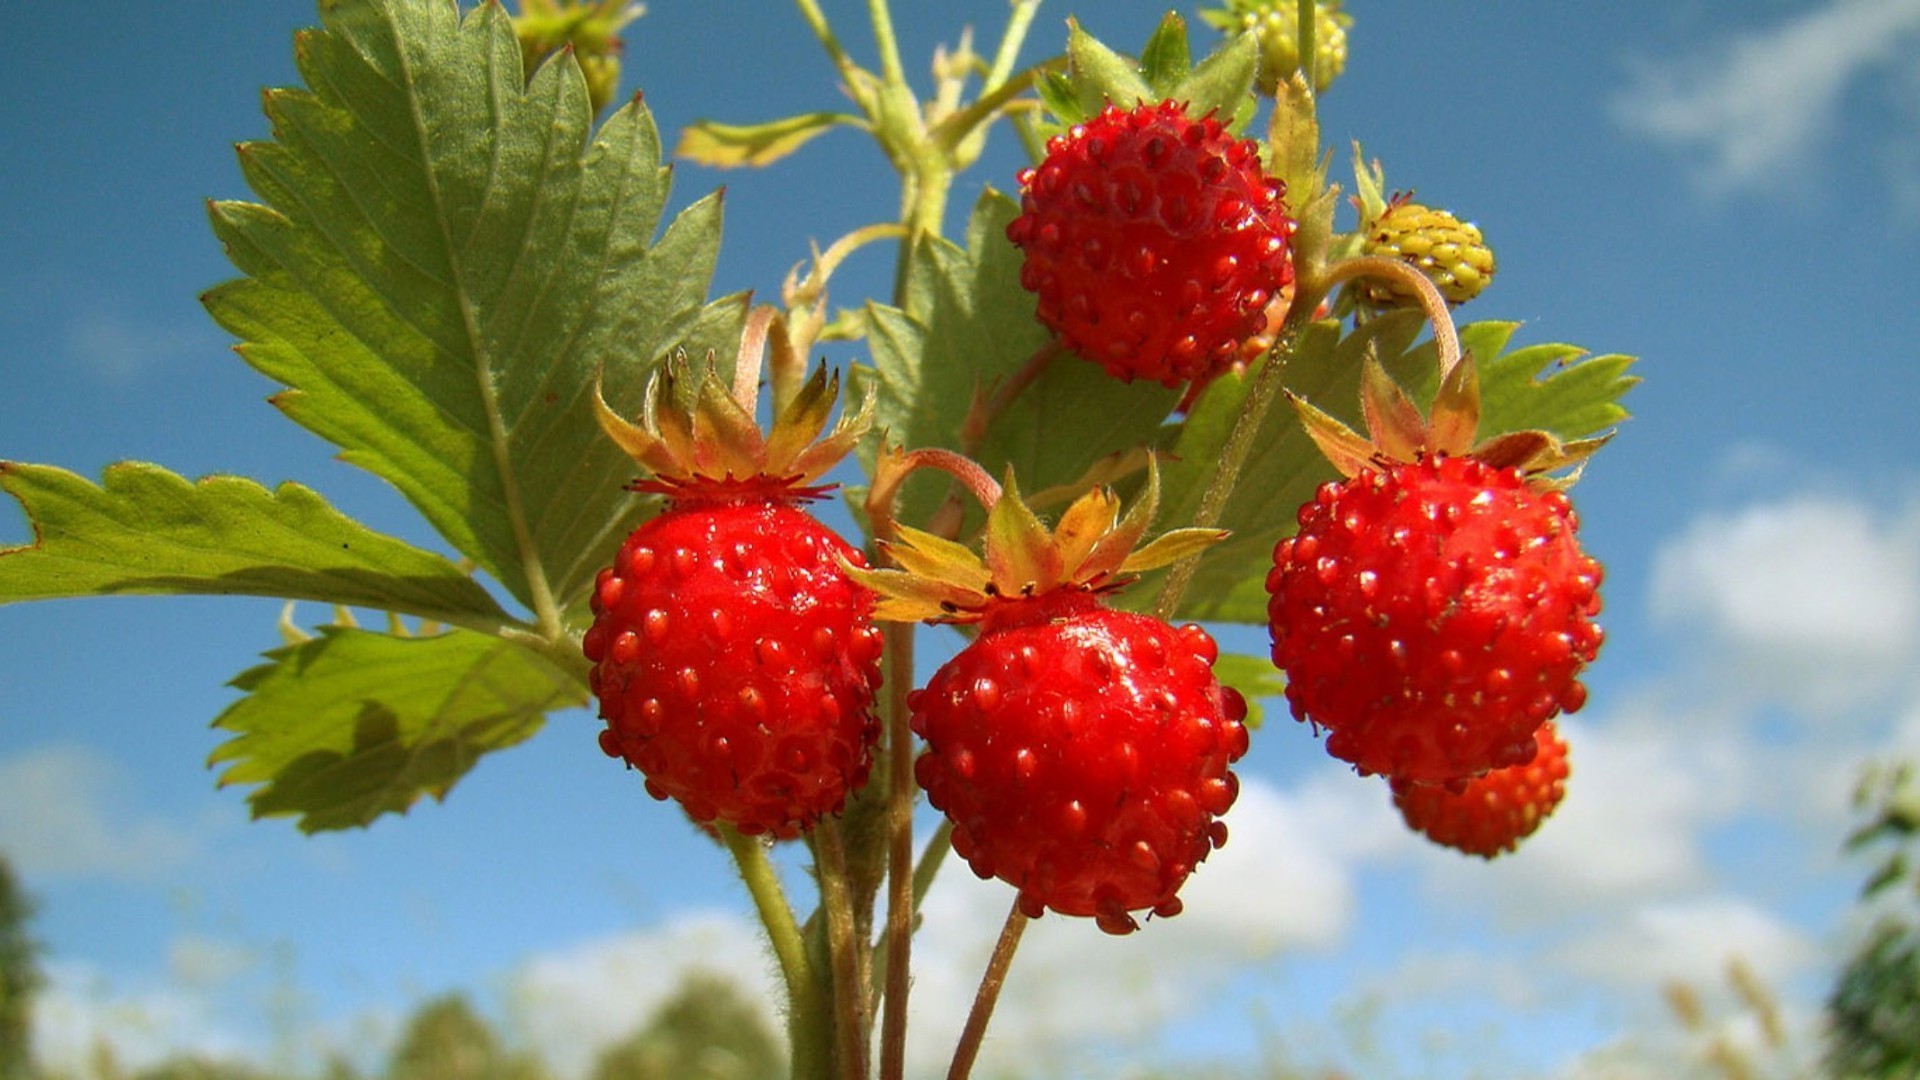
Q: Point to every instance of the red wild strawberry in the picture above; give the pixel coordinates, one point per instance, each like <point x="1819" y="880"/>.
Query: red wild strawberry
<point x="734" y="660"/>
<point x="1430" y="615"/>
<point x="1154" y="241"/>
<point x="1081" y="753"/>
<point x="1493" y="813"/>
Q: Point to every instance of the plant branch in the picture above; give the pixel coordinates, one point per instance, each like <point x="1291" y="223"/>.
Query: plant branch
<point x="901" y="898"/>
<point x="1019" y="21"/>
<point x="890" y="68"/>
<point x="1446" y="340"/>
<point x="896" y="465"/>
<point x="849" y="988"/>
<point x="1267" y="382"/>
<point x="995" y="977"/>
<point x="789" y="949"/>
<point x="810" y="10"/>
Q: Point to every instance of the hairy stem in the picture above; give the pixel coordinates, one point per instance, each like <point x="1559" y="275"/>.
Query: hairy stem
<point x="812" y="1053"/>
<point x="901" y="899"/>
<point x="1446" y="340"/>
<point x="995" y="977"/>
<point x="1019" y="21"/>
<point x="1269" y="379"/>
<point x="1233" y="457"/>
<point x="843" y="949"/>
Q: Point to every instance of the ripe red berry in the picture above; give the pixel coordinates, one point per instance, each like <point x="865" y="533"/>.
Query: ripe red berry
<point x="1154" y="241"/>
<point x="735" y="662"/>
<point x="1493" y="813"/>
<point x="734" y="658"/>
<point x="1432" y="616"/>
<point x="1082" y="754"/>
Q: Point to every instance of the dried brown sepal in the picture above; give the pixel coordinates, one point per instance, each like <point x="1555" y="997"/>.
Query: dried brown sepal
<point x="1454" y="421"/>
<point x="1394" y="424"/>
<point x="692" y="425"/>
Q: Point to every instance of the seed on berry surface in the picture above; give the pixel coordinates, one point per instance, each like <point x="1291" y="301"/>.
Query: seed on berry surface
<point x="626" y="647"/>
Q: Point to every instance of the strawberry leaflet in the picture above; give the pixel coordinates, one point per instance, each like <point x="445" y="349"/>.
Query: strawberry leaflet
<point x="441" y="263"/>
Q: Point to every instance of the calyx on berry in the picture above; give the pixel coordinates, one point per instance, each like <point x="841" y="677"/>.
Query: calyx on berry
<point x="1092" y="549"/>
<point x="695" y="432"/>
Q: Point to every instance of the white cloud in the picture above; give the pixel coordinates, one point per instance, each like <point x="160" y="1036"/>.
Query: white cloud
<point x="1694" y="941"/>
<point x="118" y="350"/>
<point x="570" y="1004"/>
<point x="60" y="815"/>
<point x="1645" y="790"/>
<point x="1759" y="105"/>
<point x="1813" y="597"/>
<point x="82" y="1008"/>
<point x="1284" y="881"/>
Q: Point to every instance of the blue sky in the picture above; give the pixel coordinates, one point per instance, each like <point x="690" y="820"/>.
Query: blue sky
<point x="1729" y="190"/>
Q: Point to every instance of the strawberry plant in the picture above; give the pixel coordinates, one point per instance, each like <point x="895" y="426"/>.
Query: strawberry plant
<point x="460" y="268"/>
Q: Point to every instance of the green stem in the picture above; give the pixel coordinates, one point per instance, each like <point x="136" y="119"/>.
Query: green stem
<point x="810" y="11"/>
<point x="882" y="18"/>
<point x="1268" y="380"/>
<point x="931" y="857"/>
<point x="1233" y="457"/>
<point x="806" y="1016"/>
<point x="1019" y="21"/>
<point x="849" y="987"/>
<point x="901" y="899"/>
<point x="995" y="977"/>
<point x="1446" y="339"/>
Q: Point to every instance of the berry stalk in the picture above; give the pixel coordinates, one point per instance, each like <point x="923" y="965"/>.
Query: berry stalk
<point x="975" y="1031"/>
<point x="806" y="1012"/>
<point x="1268" y="380"/>
<point x="902" y="898"/>
<point x="849" y="985"/>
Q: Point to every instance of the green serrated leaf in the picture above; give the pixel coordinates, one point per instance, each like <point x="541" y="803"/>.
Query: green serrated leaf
<point x="352" y="724"/>
<point x="1518" y="392"/>
<point x="966" y="328"/>
<point x="1255" y="677"/>
<point x="732" y="146"/>
<point x="149" y="531"/>
<point x="441" y="263"/>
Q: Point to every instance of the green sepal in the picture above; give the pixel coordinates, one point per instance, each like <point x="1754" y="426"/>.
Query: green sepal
<point x="1369" y="187"/>
<point x="1166" y="59"/>
<point x="734" y="146"/>
<point x="1295" y="157"/>
<point x="1221" y="84"/>
<point x="353" y="724"/>
<point x="145" y="530"/>
<point x="1100" y="76"/>
<point x="1019" y="548"/>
